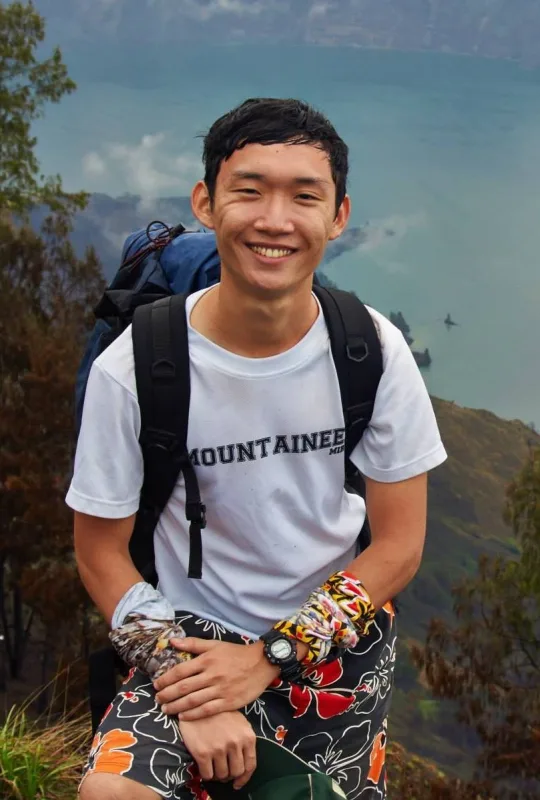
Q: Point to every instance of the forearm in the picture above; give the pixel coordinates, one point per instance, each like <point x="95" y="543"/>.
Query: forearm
<point x="108" y="573"/>
<point x="384" y="570"/>
<point x="107" y="579"/>
<point x="142" y="620"/>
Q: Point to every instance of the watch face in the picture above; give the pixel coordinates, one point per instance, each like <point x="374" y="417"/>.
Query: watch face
<point x="281" y="649"/>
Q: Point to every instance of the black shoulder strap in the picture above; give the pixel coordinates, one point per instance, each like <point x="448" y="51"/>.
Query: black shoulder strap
<point x="356" y="349"/>
<point x="160" y="345"/>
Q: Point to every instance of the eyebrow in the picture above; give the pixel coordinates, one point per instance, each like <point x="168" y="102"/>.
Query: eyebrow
<point x="300" y="180"/>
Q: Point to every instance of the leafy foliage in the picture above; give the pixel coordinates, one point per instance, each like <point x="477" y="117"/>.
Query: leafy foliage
<point x="27" y="84"/>
<point x="46" y="295"/>
<point x="414" y="778"/>
<point x="489" y="663"/>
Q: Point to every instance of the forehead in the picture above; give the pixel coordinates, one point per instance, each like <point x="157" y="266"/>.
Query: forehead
<point x="280" y="163"/>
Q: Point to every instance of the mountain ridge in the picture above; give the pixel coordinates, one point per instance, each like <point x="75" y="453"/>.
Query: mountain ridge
<point x="506" y="29"/>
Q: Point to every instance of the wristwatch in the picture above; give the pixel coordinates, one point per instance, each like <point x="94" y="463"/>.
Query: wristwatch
<point x="281" y="651"/>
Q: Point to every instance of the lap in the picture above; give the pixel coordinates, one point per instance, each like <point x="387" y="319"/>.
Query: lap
<point x="334" y="719"/>
<point x="137" y="741"/>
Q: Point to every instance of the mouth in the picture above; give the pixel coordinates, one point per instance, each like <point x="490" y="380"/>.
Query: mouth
<point x="271" y="253"/>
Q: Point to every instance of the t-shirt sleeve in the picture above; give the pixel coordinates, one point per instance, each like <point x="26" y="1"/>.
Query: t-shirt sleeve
<point x="108" y="470"/>
<point x="402" y="439"/>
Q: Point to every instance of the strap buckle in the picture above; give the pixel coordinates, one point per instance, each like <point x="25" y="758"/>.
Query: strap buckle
<point x="357" y="349"/>
<point x="163" y="370"/>
<point x="196" y="513"/>
<point x="160" y="440"/>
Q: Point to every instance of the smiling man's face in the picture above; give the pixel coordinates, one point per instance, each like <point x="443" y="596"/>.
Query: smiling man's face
<point x="274" y="211"/>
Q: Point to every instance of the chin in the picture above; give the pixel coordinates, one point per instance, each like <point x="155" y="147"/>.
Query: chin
<point x="281" y="281"/>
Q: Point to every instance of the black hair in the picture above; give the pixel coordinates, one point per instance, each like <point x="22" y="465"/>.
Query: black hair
<point x="269" y="120"/>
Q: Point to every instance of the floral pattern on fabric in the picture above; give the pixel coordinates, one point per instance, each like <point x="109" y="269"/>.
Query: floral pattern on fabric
<point x="334" y="719"/>
<point x="109" y="752"/>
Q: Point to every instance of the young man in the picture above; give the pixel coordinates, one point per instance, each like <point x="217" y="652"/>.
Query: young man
<point x="279" y="546"/>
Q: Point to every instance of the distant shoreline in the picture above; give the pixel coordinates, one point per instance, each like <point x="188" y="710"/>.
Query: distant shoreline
<point x="522" y="63"/>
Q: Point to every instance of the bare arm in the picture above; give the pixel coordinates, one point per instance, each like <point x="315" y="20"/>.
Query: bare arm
<point x="397" y="515"/>
<point x="102" y="554"/>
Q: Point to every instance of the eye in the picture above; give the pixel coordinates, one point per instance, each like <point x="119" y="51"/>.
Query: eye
<point x="247" y="190"/>
<point x="307" y="197"/>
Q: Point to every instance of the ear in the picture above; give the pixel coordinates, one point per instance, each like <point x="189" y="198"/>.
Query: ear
<point x="342" y="217"/>
<point x="201" y="205"/>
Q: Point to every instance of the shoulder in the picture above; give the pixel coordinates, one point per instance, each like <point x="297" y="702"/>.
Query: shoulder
<point x="116" y="363"/>
<point x="391" y="338"/>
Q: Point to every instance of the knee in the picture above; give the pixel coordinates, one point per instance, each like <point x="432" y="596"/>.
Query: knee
<point x="101" y="786"/>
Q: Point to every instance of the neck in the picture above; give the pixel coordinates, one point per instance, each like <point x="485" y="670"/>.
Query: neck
<point x="253" y="326"/>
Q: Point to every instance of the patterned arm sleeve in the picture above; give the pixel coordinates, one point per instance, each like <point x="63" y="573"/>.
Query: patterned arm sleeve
<point x="146" y="643"/>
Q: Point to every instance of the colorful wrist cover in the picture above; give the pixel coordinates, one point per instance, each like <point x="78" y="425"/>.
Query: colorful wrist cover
<point x="145" y="643"/>
<point x="335" y="615"/>
<point x="351" y="596"/>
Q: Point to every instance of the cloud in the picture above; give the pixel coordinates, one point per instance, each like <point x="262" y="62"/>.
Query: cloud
<point x="93" y="165"/>
<point x="318" y="9"/>
<point x="203" y="11"/>
<point x="147" y="168"/>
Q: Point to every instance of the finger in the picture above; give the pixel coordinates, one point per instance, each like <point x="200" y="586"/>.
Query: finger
<point x="221" y="766"/>
<point x="205" y="766"/>
<point x="206" y="710"/>
<point x="182" y="688"/>
<point x="192" y="701"/>
<point x="191" y="644"/>
<point x="250" y="764"/>
<point x="178" y="673"/>
<point x="235" y="757"/>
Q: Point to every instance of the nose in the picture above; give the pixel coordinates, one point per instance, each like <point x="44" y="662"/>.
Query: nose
<point x="274" y="217"/>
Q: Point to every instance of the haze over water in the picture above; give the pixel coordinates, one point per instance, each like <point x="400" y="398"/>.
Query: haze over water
<point x="445" y="155"/>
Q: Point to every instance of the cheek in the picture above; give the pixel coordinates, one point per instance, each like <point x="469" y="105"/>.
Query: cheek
<point x="232" y="216"/>
<point x="318" y="230"/>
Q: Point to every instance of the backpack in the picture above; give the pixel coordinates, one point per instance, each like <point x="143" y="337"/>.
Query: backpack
<point x="160" y="267"/>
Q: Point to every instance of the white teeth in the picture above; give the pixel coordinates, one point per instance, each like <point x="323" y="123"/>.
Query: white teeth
<point x="271" y="252"/>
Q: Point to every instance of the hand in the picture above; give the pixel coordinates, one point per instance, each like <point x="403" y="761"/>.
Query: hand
<point x="223" y="677"/>
<point x="223" y="747"/>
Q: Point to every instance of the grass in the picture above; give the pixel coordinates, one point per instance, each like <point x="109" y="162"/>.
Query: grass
<point x="41" y="762"/>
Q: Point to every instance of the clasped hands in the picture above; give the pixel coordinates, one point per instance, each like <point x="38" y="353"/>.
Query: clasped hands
<point x="205" y="694"/>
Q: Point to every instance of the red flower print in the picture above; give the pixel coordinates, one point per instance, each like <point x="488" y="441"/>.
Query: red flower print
<point x="194" y="784"/>
<point x="329" y="702"/>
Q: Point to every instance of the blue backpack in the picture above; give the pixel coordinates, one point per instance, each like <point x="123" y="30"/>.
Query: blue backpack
<point x="160" y="267"/>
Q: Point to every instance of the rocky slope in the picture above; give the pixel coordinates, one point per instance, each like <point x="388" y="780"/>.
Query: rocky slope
<point x="465" y="505"/>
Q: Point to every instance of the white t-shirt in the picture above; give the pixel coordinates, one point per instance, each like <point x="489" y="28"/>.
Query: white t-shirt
<point x="265" y="436"/>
